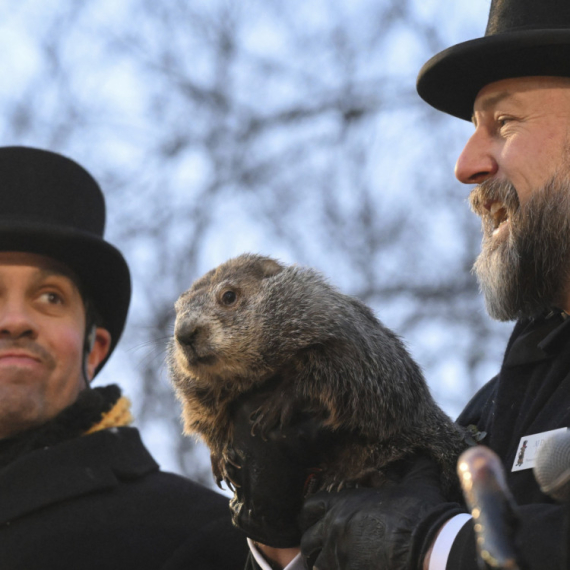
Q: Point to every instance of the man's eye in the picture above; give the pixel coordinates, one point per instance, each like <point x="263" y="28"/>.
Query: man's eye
<point x="51" y="298"/>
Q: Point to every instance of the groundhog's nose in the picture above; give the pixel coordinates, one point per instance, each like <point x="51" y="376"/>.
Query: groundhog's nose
<point x="185" y="331"/>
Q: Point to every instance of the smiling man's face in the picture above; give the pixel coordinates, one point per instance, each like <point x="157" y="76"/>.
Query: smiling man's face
<point x="518" y="156"/>
<point x="42" y="328"/>
<point x="521" y="133"/>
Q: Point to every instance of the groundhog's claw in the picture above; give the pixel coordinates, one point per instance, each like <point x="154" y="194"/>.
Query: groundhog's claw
<point x="215" y="460"/>
<point x="224" y="468"/>
<point x="233" y="485"/>
<point x="233" y="462"/>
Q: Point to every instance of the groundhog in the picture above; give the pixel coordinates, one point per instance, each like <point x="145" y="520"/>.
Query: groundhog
<point x="253" y="320"/>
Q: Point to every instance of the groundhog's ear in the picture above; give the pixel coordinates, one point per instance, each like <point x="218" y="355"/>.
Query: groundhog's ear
<point x="269" y="268"/>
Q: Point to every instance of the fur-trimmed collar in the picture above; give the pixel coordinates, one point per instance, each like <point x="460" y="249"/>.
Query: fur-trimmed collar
<point x="94" y="409"/>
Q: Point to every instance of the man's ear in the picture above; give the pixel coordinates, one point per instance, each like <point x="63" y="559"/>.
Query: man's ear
<point x="99" y="350"/>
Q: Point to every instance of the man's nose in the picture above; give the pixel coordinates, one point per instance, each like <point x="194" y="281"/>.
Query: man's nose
<point x="16" y="320"/>
<point x="476" y="163"/>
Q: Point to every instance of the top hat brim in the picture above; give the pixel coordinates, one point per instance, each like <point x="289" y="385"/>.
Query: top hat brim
<point x="102" y="270"/>
<point x="451" y="80"/>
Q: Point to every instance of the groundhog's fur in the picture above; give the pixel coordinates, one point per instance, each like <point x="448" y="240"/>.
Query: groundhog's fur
<point x="253" y="319"/>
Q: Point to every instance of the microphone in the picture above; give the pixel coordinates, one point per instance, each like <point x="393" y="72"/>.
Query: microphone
<point x="491" y="504"/>
<point x="552" y="467"/>
<point x="552" y="473"/>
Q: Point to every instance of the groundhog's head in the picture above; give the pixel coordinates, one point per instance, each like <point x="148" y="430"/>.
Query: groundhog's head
<point x="252" y="317"/>
<point x="218" y="329"/>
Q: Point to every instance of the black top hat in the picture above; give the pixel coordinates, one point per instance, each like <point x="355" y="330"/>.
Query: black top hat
<point x="52" y="206"/>
<point x="523" y="38"/>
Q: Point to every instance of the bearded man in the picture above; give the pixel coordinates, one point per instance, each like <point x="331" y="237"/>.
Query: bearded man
<point x="514" y="84"/>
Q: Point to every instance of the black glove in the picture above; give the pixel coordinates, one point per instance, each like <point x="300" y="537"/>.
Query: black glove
<point x="271" y="471"/>
<point x="391" y="527"/>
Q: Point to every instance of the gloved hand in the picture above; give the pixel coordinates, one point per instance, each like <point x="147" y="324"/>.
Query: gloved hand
<point x="270" y="472"/>
<point x="391" y="527"/>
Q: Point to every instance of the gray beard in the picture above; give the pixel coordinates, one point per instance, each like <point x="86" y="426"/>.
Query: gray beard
<point x="529" y="270"/>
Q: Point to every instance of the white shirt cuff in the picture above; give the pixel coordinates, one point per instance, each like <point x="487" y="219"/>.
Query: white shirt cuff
<point x="295" y="564"/>
<point x="444" y="541"/>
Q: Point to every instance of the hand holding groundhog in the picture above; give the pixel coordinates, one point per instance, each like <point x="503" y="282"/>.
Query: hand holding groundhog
<point x="270" y="475"/>
<point x="255" y="326"/>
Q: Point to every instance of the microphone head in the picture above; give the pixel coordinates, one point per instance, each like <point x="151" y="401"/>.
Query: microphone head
<point x="552" y="466"/>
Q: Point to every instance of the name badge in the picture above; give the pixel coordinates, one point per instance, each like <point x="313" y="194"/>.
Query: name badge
<point x="528" y="446"/>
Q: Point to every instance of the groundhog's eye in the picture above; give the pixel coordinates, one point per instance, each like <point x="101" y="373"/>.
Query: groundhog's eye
<point x="229" y="298"/>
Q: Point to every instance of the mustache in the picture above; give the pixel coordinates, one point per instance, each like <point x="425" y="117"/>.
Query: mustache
<point x="28" y="346"/>
<point x="493" y="191"/>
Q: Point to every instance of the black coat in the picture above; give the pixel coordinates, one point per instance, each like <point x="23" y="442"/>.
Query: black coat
<point x="530" y="395"/>
<point x="100" y="502"/>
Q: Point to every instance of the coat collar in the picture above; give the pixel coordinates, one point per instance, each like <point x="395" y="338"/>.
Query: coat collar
<point x="83" y="465"/>
<point x="541" y="339"/>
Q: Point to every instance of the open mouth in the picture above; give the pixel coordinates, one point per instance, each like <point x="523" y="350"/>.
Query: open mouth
<point x="498" y="213"/>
